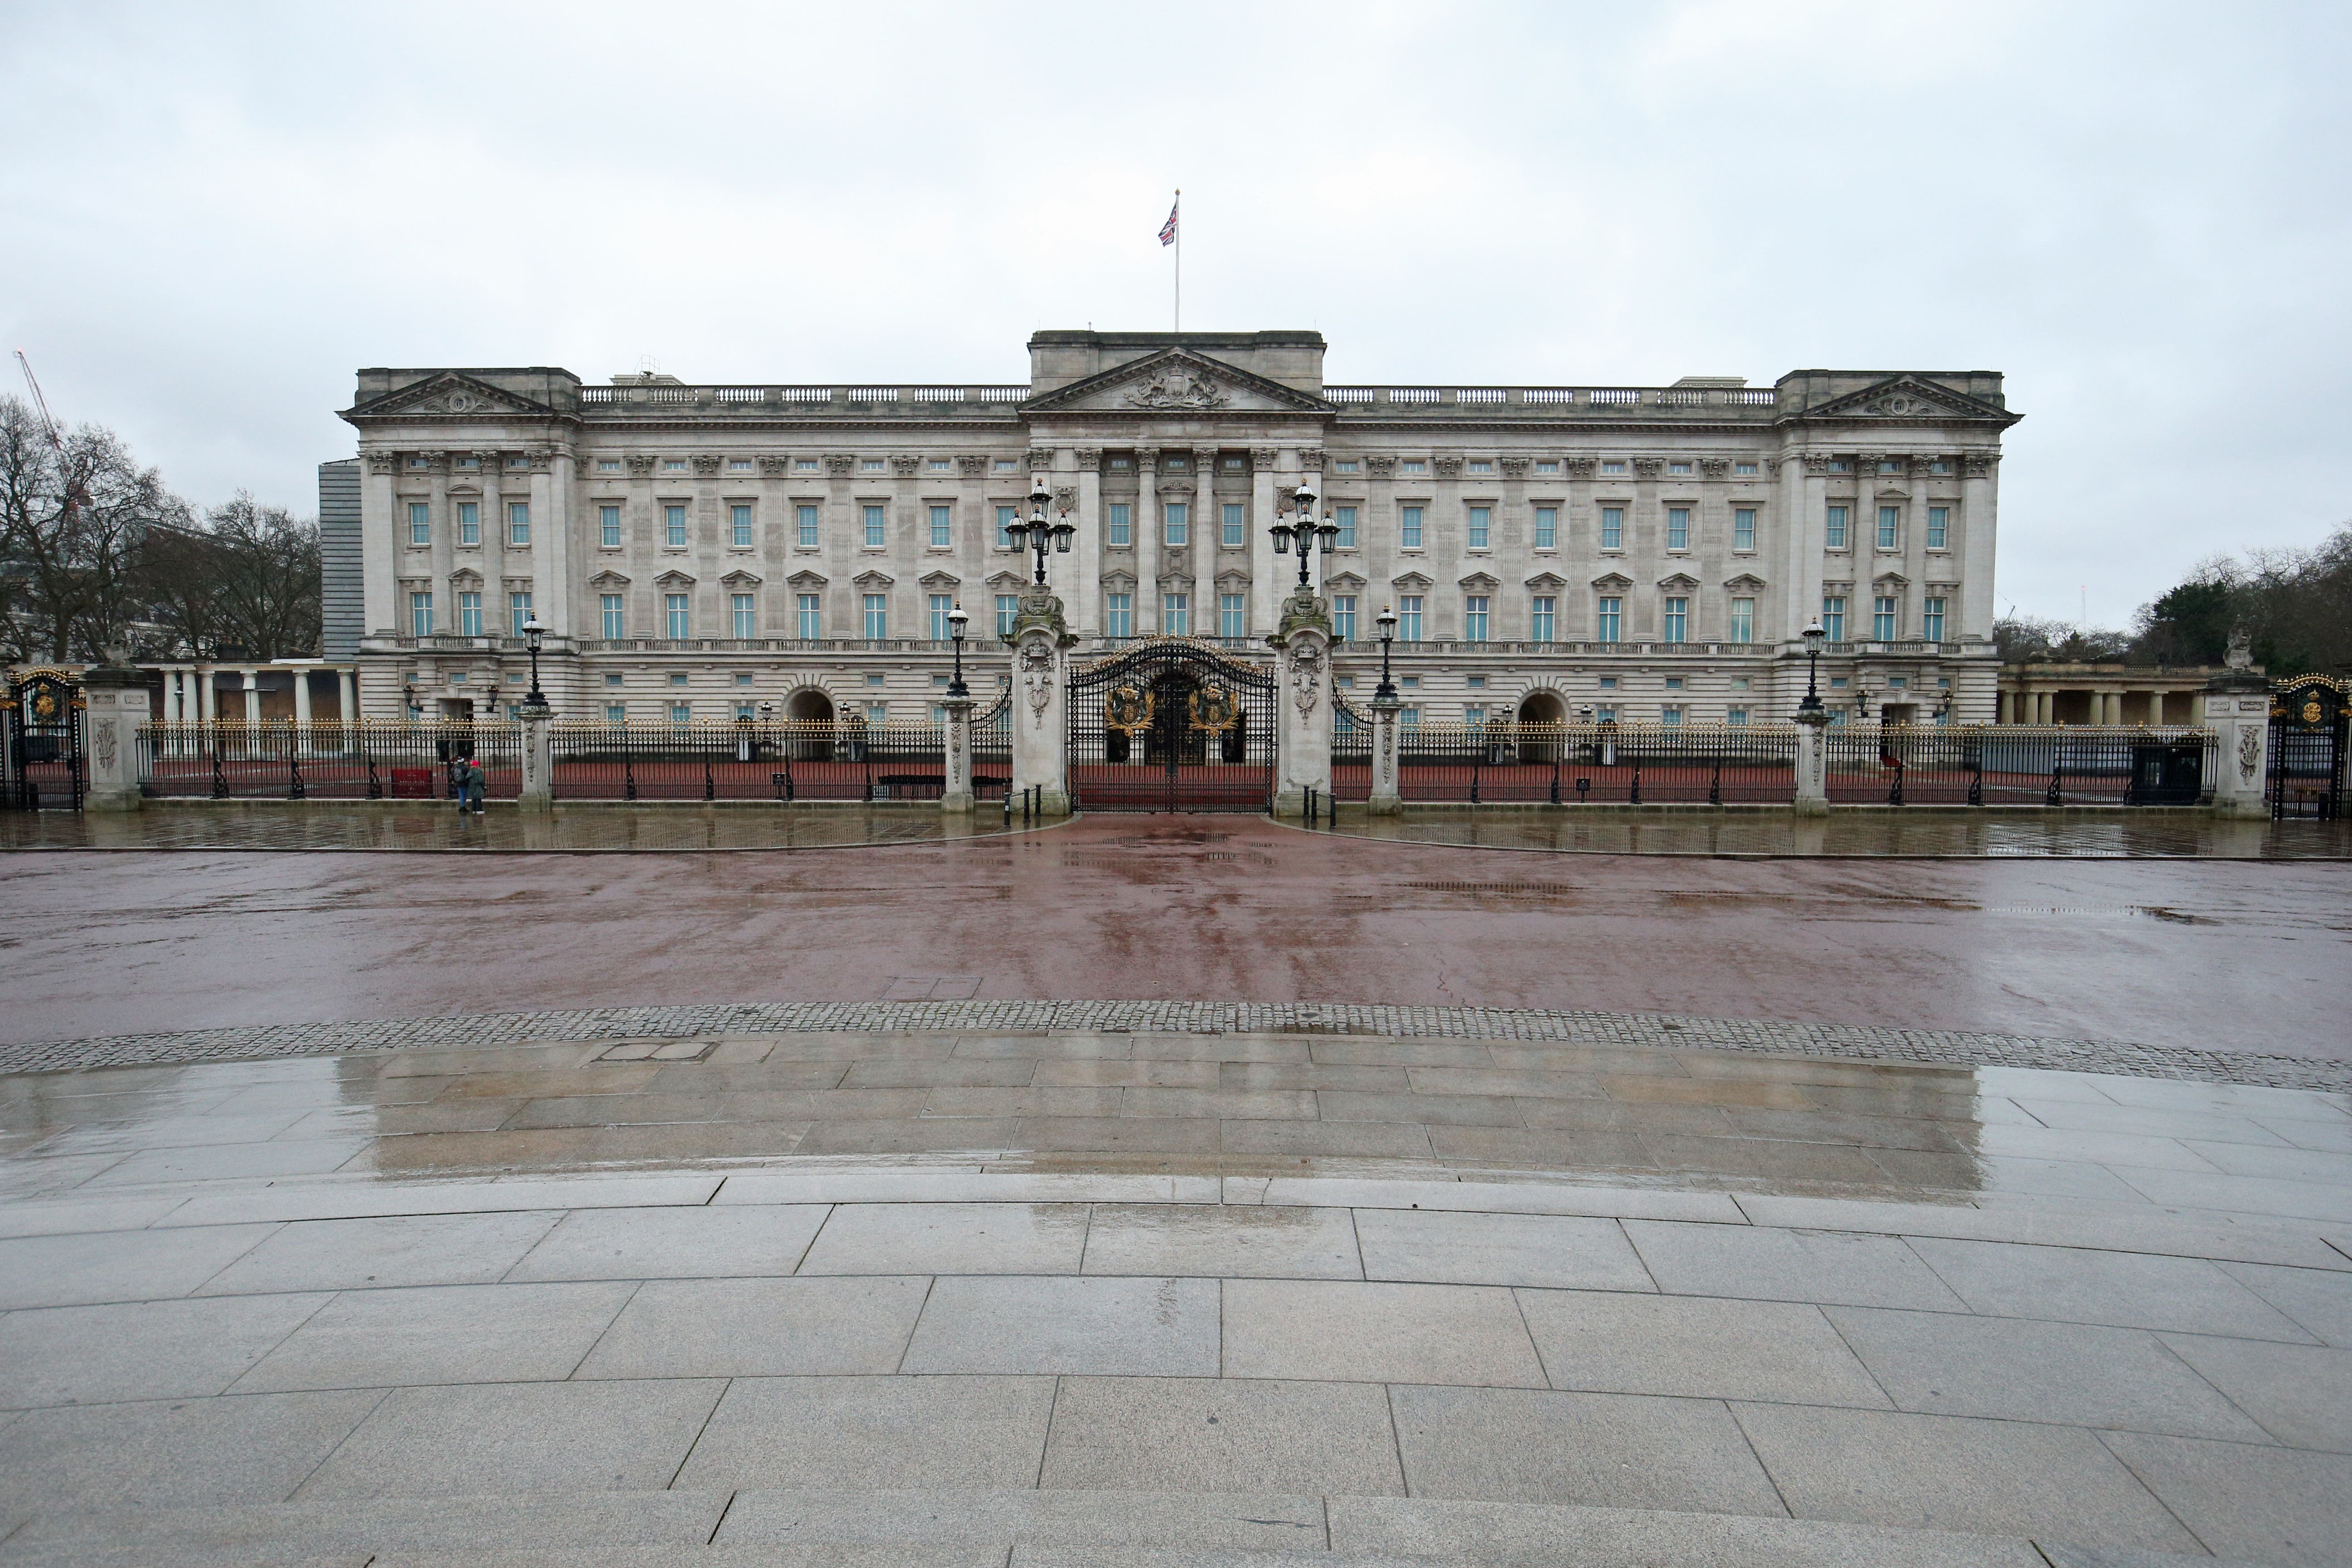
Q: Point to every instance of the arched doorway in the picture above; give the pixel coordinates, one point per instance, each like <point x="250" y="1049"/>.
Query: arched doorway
<point x="1171" y="726"/>
<point x="1545" y="711"/>
<point x="809" y="711"/>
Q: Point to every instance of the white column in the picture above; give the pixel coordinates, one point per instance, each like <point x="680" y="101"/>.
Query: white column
<point x="379" y="547"/>
<point x="302" y="698"/>
<point x="249" y="680"/>
<point x="1146" y="540"/>
<point x="207" y="700"/>
<point x="1207" y="528"/>
<point x="1811" y="529"/>
<point x="1266" y="582"/>
<point x="1085" y="598"/>
<point x="1977" y="501"/>
<point x="347" y="695"/>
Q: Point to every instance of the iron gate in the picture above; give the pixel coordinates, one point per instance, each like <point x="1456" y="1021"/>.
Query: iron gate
<point x="2308" y="722"/>
<point x="44" y="724"/>
<point x="1171" y="725"/>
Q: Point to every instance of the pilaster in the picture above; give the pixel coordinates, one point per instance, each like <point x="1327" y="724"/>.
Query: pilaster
<point x="115" y="705"/>
<point x="1266" y="582"/>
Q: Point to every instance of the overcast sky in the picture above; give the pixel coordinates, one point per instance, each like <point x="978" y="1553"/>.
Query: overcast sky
<point x="215" y="214"/>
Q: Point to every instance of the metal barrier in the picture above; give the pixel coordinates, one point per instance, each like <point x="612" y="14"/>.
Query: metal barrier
<point x="1352" y="751"/>
<point x="2012" y="765"/>
<point x="1505" y="762"/>
<point x="325" y="762"/>
<point x="786" y="762"/>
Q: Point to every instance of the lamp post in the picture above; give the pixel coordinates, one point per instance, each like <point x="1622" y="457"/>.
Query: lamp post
<point x="1306" y="531"/>
<point x="1814" y="636"/>
<point x="1387" y="621"/>
<point x="532" y="634"/>
<point x="957" y="621"/>
<point x="1041" y="534"/>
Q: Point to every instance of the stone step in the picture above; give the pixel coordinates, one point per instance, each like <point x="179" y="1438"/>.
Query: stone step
<point x="981" y="1528"/>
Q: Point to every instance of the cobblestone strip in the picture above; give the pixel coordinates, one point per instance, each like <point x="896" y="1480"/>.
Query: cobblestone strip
<point x="1939" y="1048"/>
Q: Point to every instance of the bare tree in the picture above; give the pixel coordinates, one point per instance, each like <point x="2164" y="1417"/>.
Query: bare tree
<point x="266" y="564"/>
<point x="73" y="524"/>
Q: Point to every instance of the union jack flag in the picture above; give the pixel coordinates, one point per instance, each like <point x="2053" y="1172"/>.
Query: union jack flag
<point x="1168" y="229"/>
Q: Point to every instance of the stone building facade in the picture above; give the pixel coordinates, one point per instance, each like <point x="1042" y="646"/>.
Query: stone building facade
<point x="1645" y="554"/>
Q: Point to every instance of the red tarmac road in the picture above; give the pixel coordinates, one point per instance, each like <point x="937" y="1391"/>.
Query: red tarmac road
<point x="2219" y="955"/>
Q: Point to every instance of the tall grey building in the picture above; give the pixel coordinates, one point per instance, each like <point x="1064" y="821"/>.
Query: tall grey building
<point x="1645" y="554"/>
<point x="342" y="590"/>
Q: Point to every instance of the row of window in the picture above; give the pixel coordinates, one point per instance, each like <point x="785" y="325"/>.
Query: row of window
<point x="1889" y="535"/>
<point x="470" y="523"/>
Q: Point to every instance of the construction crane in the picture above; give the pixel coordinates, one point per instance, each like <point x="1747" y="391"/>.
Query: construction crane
<point x="75" y="494"/>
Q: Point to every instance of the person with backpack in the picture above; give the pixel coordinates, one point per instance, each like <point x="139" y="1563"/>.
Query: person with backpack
<point x="470" y="781"/>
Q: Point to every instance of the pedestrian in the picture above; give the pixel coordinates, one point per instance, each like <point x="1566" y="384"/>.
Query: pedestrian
<point x="470" y="782"/>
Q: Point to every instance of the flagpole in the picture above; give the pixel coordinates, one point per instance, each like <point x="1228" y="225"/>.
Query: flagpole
<point x="1177" y="217"/>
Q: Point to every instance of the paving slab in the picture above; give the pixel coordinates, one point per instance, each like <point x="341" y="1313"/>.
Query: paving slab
<point x="2073" y="1374"/>
<point x="353" y="1199"/>
<point x="441" y="1333"/>
<point x="150" y="1350"/>
<point x="1227" y="1241"/>
<point x="1220" y="1435"/>
<point x="65" y="1217"/>
<point x="950" y="1238"/>
<point x="1506" y="1197"/>
<point x="2162" y="1233"/>
<point x="2128" y="1290"/>
<point x="2318" y="1299"/>
<point x="961" y="1184"/>
<point x="1947" y="1472"/>
<point x="672" y="1243"/>
<point x="2273" y="1505"/>
<point x="117" y="1266"/>
<point x="375" y="1253"/>
<point x="1767" y="1263"/>
<point x="441" y="1526"/>
<point x="1615" y="1450"/>
<point x="759" y="1328"/>
<point x="1254" y="1522"/>
<point x="2330" y="1201"/>
<point x="1696" y="1346"/>
<point x="157" y="1454"/>
<point x="1456" y="1248"/>
<point x="850" y="1434"/>
<point x="534" y="1438"/>
<point x="2301" y="1395"/>
<point x="1126" y="1327"/>
<point x="1375" y="1332"/>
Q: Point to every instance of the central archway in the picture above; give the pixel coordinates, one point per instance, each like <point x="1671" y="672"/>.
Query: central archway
<point x="1172" y="725"/>
<point x="1541" y="715"/>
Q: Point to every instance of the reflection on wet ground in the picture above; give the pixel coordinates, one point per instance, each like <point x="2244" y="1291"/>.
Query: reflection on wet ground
<point x="284" y="825"/>
<point x="1233" y="1105"/>
<point x="2115" y="835"/>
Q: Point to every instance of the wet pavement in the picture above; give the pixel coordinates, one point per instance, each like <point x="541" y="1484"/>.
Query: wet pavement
<point x="958" y="1299"/>
<point x="2216" y="955"/>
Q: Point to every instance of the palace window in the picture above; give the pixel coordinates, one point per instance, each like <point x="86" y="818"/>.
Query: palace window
<point x="420" y="615"/>
<point x="1939" y="526"/>
<point x="1679" y="468"/>
<point x="1744" y="470"/>
<point x="1473" y="617"/>
<point x="1612" y="466"/>
<point x="940" y="604"/>
<point x="1543" y="618"/>
<point x="1671" y="715"/>
<point x="608" y="527"/>
<point x="877" y="535"/>
<point x="1119" y="614"/>
<point x="1481" y="525"/>
<point x="1482" y="465"/>
<point x="1606" y="713"/>
<point x="1176" y="615"/>
<point x="678" y="617"/>
<point x="674" y="527"/>
<point x="469" y="614"/>
<point x="1613" y="528"/>
<point x="1743" y="527"/>
<point x="1547" y="465"/>
<point x="1233" y="465"/>
<point x="1677" y="619"/>
<point x="1735" y="716"/>
<point x="805" y="465"/>
<point x="1890" y="524"/>
<point x="738" y="465"/>
<point x="1413" y="465"/>
<point x="1344" y="517"/>
<point x="1609" y="622"/>
<point x="1122" y="463"/>
<point x="877" y="616"/>
<point x="1343" y="616"/>
<point x="681" y="715"/>
<point x="1840" y="466"/>
<point x="1833" y="617"/>
<point x="1232" y="615"/>
<point x="1546" y="528"/>
<point x="1176" y="524"/>
<point x="1674" y="683"/>
<point x="1344" y="465"/>
<point x="1474" y="715"/>
<point x="1931" y="620"/>
<point x="1890" y="466"/>
<point x="739" y="526"/>
<point x="1007" y="606"/>
<point x="673" y="465"/>
<point x="1409" y="528"/>
<point x="1678" y="528"/>
<point x="942" y="531"/>
<point x="1235" y="535"/>
<point x="804" y="526"/>
<point x="1743" y="619"/>
<point x="746" y="625"/>
<point x="1833" y="529"/>
<point x="518" y="523"/>
<point x="518" y="610"/>
<point x="1409" y="718"/>
<point x="1409" y="617"/>
<point x="616" y="714"/>
<point x="938" y="464"/>
<point x="1608" y="683"/>
<point x="743" y="678"/>
<point x="812" y="623"/>
<point x="1008" y="518"/>
<point x="610" y="604"/>
<point x="1474" y="682"/>
<point x="1005" y="465"/>
<point x="420" y="522"/>
<point x="1118" y="526"/>
<point x="1882" y="619"/>
<point x="608" y="465"/>
<point x="870" y="466"/>
<point x="1174" y="465"/>
<point x="678" y="679"/>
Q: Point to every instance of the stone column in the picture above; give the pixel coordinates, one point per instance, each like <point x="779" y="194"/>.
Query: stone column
<point x="1089" y="543"/>
<point x="1977" y="524"/>
<point x="249" y="680"/>
<point x="1385" y="801"/>
<point x="302" y="698"/>
<point x="1146" y="526"/>
<point x="2238" y="712"/>
<point x="347" y="694"/>
<point x="116" y="705"/>
<point x="1265" y="582"/>
<point x="1208" y="536"/>
<point x="1810" y="532"/>
<point x="538" y="792"/>
<point x="1813" y="776"/>
<point x="1303" y="702"/>
<point x="207" y="699"/>
<point x="1041" y="642"/>
<point x="956" y="797"/>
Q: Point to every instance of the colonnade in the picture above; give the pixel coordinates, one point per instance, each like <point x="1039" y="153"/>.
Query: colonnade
<point x="192" y="693"/>
<point x="2107" y="706"/>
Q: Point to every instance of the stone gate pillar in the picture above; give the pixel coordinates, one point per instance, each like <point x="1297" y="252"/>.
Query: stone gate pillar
<point x="1812" y="771"/>
<point x="115" y="705"/>
<point x="1385" y="800"/>
<point x="1041" y="641"/>
<point x="1302" y="702"/>
<point x="2238" y="710"/>
<point x="537" y="758"/>
<point x="957" y="794"/>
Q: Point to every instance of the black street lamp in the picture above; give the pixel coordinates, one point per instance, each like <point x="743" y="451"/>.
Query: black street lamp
<point x="532" y="633"/>
<point x="1306" y="531"/>
<point x="1387" y="621"/>
<point x="1814" y="636"/>
<point x="1041" y="534"/>
<point x="957" y="621"/>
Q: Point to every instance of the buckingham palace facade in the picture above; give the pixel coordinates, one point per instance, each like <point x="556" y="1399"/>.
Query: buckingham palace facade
<point x="1650" y="554"/>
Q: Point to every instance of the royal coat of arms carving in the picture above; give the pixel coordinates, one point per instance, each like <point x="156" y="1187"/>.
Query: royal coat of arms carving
<point x="1173" y="386"/>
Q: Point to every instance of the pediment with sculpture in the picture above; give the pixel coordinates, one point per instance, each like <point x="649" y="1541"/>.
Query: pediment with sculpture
<point x="1177" y="380"/>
